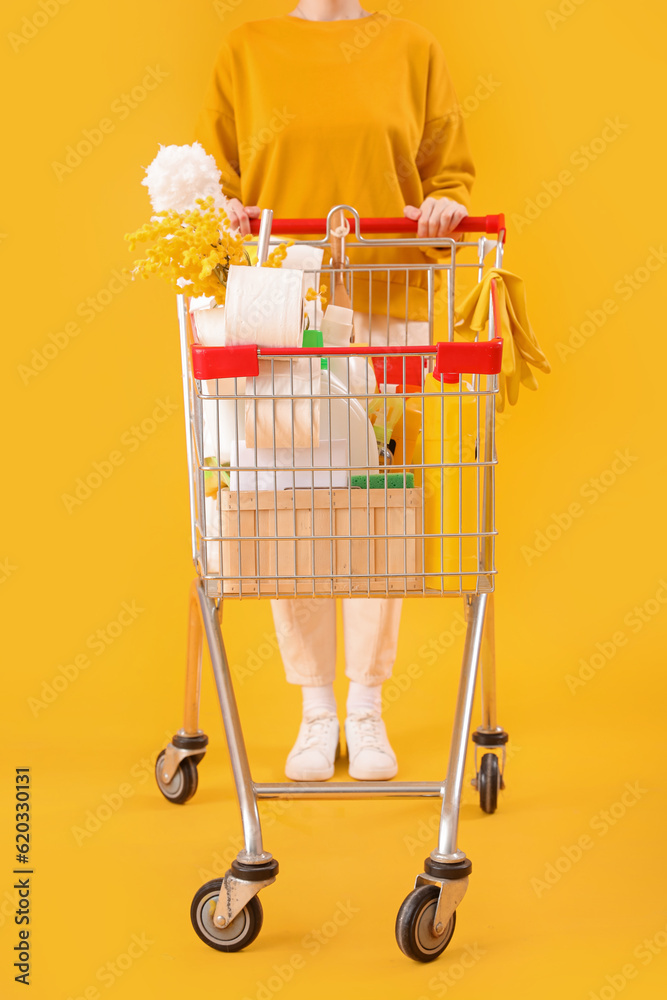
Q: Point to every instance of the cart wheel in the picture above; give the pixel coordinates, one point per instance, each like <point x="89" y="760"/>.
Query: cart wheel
<point x="184" y="783"/>
<point x="414" y="925"/>
<point x="488" y="783"/>
<point x="241" y="932"/>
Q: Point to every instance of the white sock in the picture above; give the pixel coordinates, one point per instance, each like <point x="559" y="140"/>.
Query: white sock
<point x="364" y="698"/>
<point x="318" y="699"/>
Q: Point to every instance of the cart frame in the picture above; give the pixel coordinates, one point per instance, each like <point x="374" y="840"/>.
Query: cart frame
<point x="439" y="888"/>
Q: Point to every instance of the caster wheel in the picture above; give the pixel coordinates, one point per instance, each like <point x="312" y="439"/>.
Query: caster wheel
<point x="488" y="783"/>
<point x="184" y="783"/>
<point x="241" y="932"/>
<point x="414" y="925"/>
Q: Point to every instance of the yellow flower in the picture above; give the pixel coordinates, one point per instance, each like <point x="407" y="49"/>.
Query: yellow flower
<point x="311" y="295"/>
<point x="193" y="250"/>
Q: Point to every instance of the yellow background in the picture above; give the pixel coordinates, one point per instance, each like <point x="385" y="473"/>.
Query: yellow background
<point x="66" y="575"/>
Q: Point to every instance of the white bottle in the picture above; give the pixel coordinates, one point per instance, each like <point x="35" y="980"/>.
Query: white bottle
<point x="355" y="373"/>
<point x="345" y="418"/>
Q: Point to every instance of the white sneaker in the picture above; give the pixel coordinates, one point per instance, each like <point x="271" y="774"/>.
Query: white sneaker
<point x="317" y="746"/>
<point x="369" y="751"/>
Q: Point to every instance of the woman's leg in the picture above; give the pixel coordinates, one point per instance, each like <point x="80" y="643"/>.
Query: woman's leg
<point x="370" y="630"/>
<point x="370" y="627"/>
<point x="306" y="634"/>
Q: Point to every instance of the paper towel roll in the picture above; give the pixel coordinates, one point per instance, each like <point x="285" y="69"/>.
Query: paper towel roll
<point x="263" y="306"/>
<point x="210" y="326"/>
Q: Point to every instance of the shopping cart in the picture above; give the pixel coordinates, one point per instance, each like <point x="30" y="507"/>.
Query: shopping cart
<point x="391" y="494"/>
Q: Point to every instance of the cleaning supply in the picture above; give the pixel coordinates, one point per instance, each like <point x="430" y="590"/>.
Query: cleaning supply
<point x="407" y="430"/>
<point x="418" y="458"/>
<point x="355" y="371"/>
<point x="384" y="412"/>
<point x="348" y="419"/>
<point x="346" y="438"/>
<point x="214" y="481"/>
<point x="393" y="480"/>
<point x="385" y="451"/>
<point x="315" y="338"/>
<point x="337" y="325"/>
<point x="450" y="486"/>
<point x="289" y="422"/>
<point x="521" y="349"/>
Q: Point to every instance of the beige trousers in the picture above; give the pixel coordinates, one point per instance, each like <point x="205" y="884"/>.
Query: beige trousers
<point x="306" y="633"/>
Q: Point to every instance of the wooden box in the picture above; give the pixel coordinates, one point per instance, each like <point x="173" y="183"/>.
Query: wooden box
<point x="345" y="542"/>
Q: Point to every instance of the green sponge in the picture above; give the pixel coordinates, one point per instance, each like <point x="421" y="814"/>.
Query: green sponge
<point x="394" y="481"/>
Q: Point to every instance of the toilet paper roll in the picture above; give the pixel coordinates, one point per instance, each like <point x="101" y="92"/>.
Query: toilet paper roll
<point x="264" y="306"/>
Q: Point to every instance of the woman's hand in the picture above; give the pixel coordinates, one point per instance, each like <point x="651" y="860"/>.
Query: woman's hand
<point x="436" y="216"/>
<point x="240" y="216"/>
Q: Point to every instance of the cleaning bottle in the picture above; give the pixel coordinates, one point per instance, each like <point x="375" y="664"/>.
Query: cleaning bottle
<point x="347" y="416"/>
<point x="407" y="429"/>
<point x="385" y="411"/>
<point x="450" y="486"/>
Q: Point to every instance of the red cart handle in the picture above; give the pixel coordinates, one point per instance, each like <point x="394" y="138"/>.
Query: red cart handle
<point x="489" y="224"/>
<point x="451" y="359"/>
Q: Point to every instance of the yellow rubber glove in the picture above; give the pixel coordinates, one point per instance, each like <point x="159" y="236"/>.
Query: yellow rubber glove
<point x="521" y="349"/>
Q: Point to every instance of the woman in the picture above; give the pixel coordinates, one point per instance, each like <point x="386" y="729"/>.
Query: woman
<point x="331" y="104"/>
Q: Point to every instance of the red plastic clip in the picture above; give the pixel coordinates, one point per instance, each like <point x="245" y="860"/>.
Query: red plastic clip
<point x="399" y="371"/>
<point x="454" y="359"/>
<point x="225" y="362"/>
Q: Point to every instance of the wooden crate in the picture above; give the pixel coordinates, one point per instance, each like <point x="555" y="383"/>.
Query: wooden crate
<point x="329" y="538"/>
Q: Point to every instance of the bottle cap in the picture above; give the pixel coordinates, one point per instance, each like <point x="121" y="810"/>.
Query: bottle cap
<point x="338" y="314"/>
<point x="337" y="326"/>
<point x="315" y="338"/>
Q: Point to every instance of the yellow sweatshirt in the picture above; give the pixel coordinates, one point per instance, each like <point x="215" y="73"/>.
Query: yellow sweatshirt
<point x="303" y="115"/>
